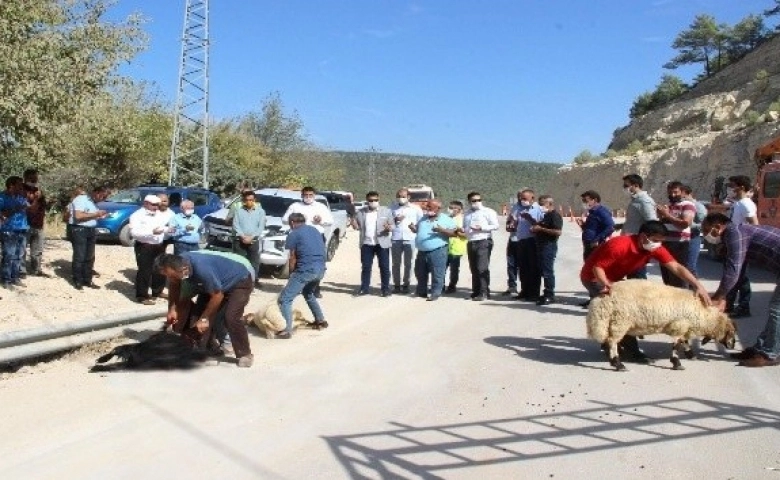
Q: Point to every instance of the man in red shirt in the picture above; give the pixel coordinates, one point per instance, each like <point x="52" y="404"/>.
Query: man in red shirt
<point x="620" y="256"/>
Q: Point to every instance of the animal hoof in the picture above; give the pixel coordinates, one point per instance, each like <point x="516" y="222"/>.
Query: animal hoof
<point x="678" y="367"/>
<point x="620" y="368"/>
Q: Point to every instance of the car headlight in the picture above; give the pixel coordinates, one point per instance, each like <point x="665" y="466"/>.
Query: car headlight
<point x="113" y="215"/>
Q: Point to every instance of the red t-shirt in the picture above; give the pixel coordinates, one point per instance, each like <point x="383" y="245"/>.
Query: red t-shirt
<point x="621" y="256"/>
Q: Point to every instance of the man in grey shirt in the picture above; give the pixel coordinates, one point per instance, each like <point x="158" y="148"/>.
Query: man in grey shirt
<point x="248" y="226"/>
<point x="640" y="209"/>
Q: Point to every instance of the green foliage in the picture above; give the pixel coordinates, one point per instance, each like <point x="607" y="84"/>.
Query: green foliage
<point x="670" y="88"/>
<point x="746" y="35"/>
<point x="54" y="56"/>
<point x="752" y="117"/>
<point x="633" y="148"/>
<point x="703" y="42"/>
<point x="585" y="156"/>
<point x="498" y="181"/>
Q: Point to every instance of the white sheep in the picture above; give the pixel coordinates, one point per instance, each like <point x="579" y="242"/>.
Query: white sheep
<point x="270" y="320"/>
<point x="641" y="307"/>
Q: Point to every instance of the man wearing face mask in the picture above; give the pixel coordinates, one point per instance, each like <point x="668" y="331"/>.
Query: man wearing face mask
<point x="148" y="230"/>
<point x="743" y="211"/>
<point x="404" y="214"/>
<point x="316" y="214"/>
<point x="375" y="223"/>
<point x="433" y="234"/>
<point x="743" y="243"/>
<point x="598" y="226"/>
<point x="621" y="256"/>
<point x="248" y="226"/>
<point x="479" y="224"/>
<point x="188" y="227"/>
<point x="528" y="214"/>
<point x="547" y="231"/>
<point x="511" y="246"/>
<point x="678" y="217"/>
<point x="640" y="209"/>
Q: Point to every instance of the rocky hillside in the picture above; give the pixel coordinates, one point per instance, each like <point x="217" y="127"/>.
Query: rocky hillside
<point x="711" y="131"/>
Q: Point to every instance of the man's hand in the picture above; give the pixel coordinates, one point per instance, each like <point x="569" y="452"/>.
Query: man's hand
<point x="413" y="228"/>
<point x="536" y="229"/>
<point x="719" y="303"/>
<point x="704" y="296"/>
<point x="189" y="228"/>
<point x="605" y="290"/>
<point x="172" y="317"/>
<point x="202" y="325"/>
<point x="316" y="220"/>
<point x="579" y="221"/>
<point x="246" y="239"/>
<point x="663" y="211"/>
<point x="158" y="230"/>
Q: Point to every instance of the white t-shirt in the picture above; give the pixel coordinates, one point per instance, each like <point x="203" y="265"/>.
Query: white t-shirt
<point x="309" y="211"/>
<point x="370" y="237"/>
<point x="741" y="210"/>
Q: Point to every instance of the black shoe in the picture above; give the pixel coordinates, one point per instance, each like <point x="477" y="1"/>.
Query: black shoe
<point x="284" y="335"/>
<point x="432" y="298"/>
<point x="740" y="312"/>
<point x="78" y="286"/>
<point x="93" y="286"/>
<point x="360" y="293"/>
<point x="508" y="292"/>
<point x="405" y="289"/>
<point x="42" y="274"/>
<point x="545" y="301"/>
<point x="479" y="298"/>
<point x="397" y="289"/>
<point x="450" y="289"/>
<point x="745" y="354"/>
<point x="385" y="293"/>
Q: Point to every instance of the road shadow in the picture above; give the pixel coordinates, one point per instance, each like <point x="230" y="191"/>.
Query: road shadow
<point x="433" y="452"/>
<point x="62" y="269"/>
<point x="570" y="307"/>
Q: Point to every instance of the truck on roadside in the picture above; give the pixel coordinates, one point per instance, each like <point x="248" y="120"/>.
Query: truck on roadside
<point x="420" y="194"/>
<point x="275" y="201"/>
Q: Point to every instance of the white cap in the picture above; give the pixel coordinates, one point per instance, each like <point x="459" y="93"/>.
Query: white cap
<point x="152" y="199"/>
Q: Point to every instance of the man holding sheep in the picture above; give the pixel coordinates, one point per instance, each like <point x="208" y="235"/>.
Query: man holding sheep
<point x="621" y="256"/>
<point x="760" y="243"/>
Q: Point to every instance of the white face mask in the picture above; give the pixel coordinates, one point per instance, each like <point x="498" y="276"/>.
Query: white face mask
<point x="712" y="239"/>
<point x="373" y="205"/>
<point x="308" y="200"/>
<point x="32" y="185"/>
<point x="402" y="200"/>
<point x="189" y="212"/>
<point x="450" y="212"/>
<point x="650" y="246"/>
<point x="476" y="205"/>
<point x="628" y="191"/>
<point x="544" y="209"/>
<point x="585" y="206"/>
<point x="525" y="203"/>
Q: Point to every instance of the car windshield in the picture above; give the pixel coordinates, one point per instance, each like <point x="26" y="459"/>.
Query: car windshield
<point x="130" y="197"/>
<point x="419" y="196"/>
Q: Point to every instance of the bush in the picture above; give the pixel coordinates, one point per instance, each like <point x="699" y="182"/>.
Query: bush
<point x="585" y="156"/>
<point x="752" y="117"/>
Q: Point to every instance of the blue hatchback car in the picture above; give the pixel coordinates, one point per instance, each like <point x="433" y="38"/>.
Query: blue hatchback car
<point x="123" y="203"/>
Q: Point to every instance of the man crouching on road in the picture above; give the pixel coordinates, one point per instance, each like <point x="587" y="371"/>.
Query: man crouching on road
<point x="224" y="281"/>
<point x="307" y="267"/>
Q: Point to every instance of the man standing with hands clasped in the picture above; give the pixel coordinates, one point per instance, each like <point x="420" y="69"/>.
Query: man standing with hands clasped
<point x="148" y="229"/>
<point x="374" y="223"/>
<point x="316" y="214"/>
<point x="248" y="226"/>
<point x="433" y="233"/>
<point x="404" y="214"/>
<point x="479" y="224"/>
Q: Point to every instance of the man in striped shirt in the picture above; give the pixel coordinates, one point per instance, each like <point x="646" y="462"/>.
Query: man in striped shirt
<point x="760" y="244"/>
<point x="678" y="217"/>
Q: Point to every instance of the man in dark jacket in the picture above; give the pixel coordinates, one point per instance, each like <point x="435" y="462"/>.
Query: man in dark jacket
<point x="547" y="231"/>
<point x="598" y="226"/>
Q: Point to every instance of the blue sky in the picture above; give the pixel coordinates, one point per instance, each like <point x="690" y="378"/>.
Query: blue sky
<point x="500" y="79"/>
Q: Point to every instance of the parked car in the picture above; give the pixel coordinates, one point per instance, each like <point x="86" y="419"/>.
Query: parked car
<point x="275" y="202"/>
<point x="123" y="203"/>
<point x="340" y="200"/>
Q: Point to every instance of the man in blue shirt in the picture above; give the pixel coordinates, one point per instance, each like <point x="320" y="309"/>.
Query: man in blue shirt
<point x="528" y="214"/>
<point x="307" y="267"/>
<point x="220" y="282"/>
<point x="433" y="234"/>
<point x="598" y="226"/>
<point x="187" y="229"/>
<point x="82" y="220"/>
<point x="13" y="213"/>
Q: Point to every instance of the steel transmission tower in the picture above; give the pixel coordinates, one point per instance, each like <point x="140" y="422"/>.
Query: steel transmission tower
<point x="190" y="147"/>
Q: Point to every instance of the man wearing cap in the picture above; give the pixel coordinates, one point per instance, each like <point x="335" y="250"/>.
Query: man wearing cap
<point x="148" y="230"/>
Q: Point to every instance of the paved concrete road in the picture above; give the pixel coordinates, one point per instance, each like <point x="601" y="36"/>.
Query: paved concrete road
<point x="403" y="388"/>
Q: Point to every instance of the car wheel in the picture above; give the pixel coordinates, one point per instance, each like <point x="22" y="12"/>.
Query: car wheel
<point x="282" y="271"/>
<point x="124" y="236"/>
<point x="333" y="244"/>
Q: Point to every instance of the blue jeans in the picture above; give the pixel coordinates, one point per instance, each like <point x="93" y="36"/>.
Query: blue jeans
<point x="768" y="342"/>
<point x="511" y="265"/>
<point x="367" y="254"/>
<point x="181" y="247"/>
<point x="693" y="254"/>
<point x="433" y="263"/>
<point x="301" y="283"/>
<point x="547" y="252"/>
<point x="401" y="249"/>
<point x="14" y="243"/>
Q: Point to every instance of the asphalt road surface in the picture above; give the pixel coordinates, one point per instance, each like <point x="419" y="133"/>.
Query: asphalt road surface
<point x="402" y="388"/>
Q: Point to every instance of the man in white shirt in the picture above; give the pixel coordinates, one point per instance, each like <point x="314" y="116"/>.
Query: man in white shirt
<point x="148" y="229"/>
<point x="167" y="215"/>
<point x="479" y="224"/>
<point x="374" y="223"/>
<point x="404" y="214"/>
<point x="316" y="214"/>
<point x="743" y="210"/>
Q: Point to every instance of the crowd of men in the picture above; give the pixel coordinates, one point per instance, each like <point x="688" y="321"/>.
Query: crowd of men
<point x="404" y="239"/>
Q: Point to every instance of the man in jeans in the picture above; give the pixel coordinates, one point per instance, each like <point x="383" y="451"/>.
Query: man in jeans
<point x="374" y="223"/>
<point x="402" y="248"/>
<point x="547" y="231"/>
<point x="248" y="226"/>
<point x="82" y="220"/>
<point x="433" y="233"/>
<point x="307" y="267"/>
<point x="13" y="210"/>
<point x="744" y="242"/>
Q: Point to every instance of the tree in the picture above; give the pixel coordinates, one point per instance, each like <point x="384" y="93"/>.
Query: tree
<point x="746" y="35"/>
<point x="703" y="42"/>
<point x="669" y="89"/>
<point x="585" y="156"/>
<point x="55" y="55"/>
<point x="771" y="12"/>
